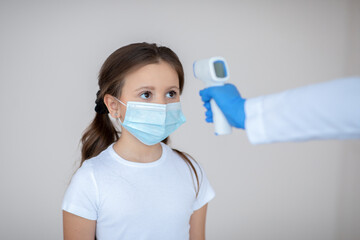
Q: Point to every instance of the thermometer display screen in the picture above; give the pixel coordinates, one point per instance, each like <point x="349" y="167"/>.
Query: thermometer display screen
<point x="219" y="67"/>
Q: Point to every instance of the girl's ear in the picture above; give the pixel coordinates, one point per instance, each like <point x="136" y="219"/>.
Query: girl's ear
<point x="112" y="105"/>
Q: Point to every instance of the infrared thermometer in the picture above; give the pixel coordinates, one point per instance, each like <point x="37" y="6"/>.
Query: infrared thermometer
<point x="214" y="72"/>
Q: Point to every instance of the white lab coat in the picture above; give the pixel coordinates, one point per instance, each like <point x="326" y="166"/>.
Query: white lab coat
<point x="329" y="110"/>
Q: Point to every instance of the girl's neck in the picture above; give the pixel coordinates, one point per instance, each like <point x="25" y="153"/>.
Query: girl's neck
<point x="130" y="148"/>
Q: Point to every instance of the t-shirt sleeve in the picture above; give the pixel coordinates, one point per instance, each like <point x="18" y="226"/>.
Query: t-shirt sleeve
<point x="81" y="197"/>
<point x="206" y="192"/>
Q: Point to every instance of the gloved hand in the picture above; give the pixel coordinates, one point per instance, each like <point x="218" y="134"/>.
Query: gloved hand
<point x="229" y="101"/>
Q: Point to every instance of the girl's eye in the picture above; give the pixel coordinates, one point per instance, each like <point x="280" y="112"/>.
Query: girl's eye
<point x="171" y="94"/>
<point x="145" y="95"/>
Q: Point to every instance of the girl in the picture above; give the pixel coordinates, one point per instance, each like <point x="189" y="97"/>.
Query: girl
<point x="132" y="185"/>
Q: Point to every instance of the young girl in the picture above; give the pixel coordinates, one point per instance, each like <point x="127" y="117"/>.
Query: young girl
<point x="131" y="185"/>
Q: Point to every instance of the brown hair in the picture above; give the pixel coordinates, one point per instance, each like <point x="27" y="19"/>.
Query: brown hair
<point x="101" y="133"/>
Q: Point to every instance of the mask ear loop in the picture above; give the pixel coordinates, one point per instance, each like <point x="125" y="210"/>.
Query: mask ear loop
<point x="118" y="119"/>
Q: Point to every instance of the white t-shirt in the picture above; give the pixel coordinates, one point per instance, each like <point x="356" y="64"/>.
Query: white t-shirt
<point x="137" y="201"/>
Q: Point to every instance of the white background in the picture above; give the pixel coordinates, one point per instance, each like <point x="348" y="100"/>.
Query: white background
<point x="50" y="55"/>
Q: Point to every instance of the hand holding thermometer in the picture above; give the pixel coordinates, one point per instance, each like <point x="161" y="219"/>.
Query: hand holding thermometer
<point x="214" y="72"/>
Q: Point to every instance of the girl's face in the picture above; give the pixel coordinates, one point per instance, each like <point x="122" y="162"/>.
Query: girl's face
<point x="152" y="83"/>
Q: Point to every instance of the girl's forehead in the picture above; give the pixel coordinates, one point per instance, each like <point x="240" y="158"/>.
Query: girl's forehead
<point x="157" y="75"/>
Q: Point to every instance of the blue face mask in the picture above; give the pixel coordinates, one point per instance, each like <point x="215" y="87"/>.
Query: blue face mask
<point x="151" y="123"/>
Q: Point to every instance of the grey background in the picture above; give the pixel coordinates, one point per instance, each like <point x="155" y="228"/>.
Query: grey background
<point x="50" y="55"/>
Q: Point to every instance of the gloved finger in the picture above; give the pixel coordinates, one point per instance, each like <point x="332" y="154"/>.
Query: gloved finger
<point x="209" y="119"/>
<point x="209" y="113"/>
<point x="207" y="105"/>
<point x="206" y="94"/>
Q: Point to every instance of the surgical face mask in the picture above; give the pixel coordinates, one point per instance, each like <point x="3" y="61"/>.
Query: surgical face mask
<point x="151" y="123"/>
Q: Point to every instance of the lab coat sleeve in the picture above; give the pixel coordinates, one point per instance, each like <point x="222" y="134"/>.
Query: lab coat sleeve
<point x="329" y="110"/>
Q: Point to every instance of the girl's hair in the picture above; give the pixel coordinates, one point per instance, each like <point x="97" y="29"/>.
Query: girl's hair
<point x="101" y="133"/>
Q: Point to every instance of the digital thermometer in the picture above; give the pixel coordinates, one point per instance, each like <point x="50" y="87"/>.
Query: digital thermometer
<point x="214" y="72"/>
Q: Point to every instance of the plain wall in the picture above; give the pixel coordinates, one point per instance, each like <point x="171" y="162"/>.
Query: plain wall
<point x="50" y="55"/>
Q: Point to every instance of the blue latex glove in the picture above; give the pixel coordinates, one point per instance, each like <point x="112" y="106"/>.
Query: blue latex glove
<point x="229" y="101"/>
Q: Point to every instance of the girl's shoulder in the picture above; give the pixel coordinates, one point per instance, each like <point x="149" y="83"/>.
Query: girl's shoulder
<point x="184" y="159"/>
<point x="96" y="163"/>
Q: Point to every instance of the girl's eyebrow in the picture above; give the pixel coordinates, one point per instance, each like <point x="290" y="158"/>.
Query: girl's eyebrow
<point x="173" y="87"/>
<point x="145" y="88"/>
<point x="153" y="88"/>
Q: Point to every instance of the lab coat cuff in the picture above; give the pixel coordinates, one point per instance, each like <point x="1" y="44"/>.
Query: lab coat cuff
<point x="254" y="121"/>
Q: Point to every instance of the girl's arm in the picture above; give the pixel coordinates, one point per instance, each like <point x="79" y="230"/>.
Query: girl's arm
<point x="78" y="228"/>
<point x="197" y="224"/>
